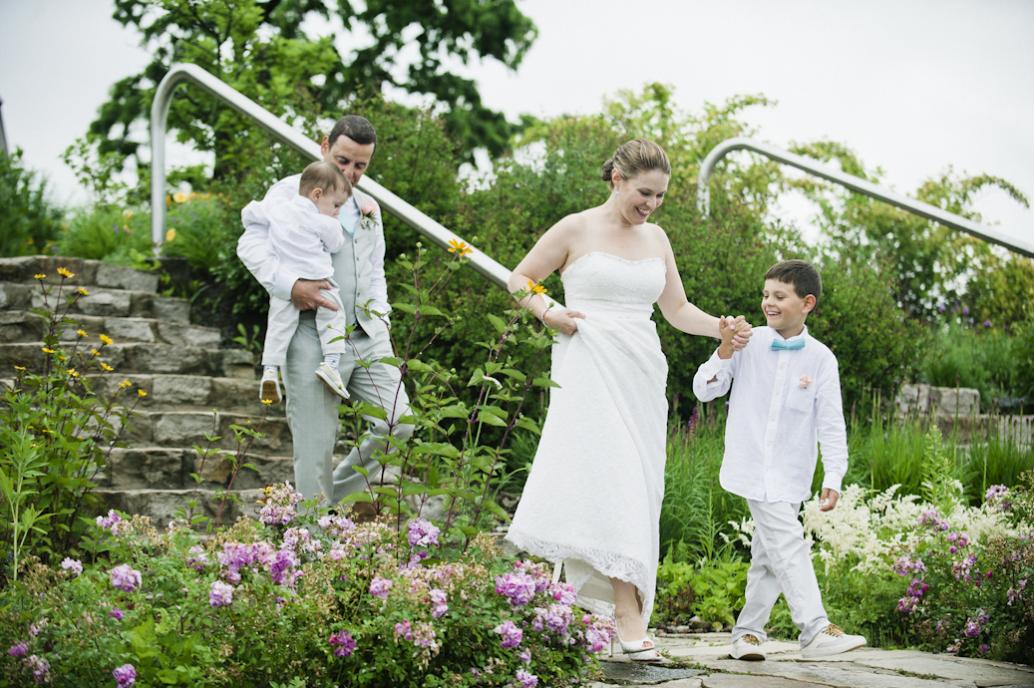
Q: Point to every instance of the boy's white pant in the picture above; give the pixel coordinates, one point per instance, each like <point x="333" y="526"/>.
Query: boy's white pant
<point x="780" y="562"/>
<point x="283" y="322"/>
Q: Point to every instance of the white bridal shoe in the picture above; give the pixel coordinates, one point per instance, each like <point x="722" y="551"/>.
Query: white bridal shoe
<point x="638" y="651"/>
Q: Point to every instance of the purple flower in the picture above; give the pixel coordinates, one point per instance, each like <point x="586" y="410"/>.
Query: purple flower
<point x="112" y="522"/>
<point x="598" y="632"/>
<point x="282" y="569"/>
<point x="965" y="310"/>
<point x="221" y="594"/>
<point x="379" y="587"/>
<point x="563" y="592"/>
<point x="511" y="634"/>
<point x="555" y="618"/>
<point x="424" y="635"/>
<point x="438" y="603"/>
<point x="972" y="629"/>
<point x="40" y="668"/>
<point x="337" y="526"/>
<point x="403" y="629"/>
<point x="72" y="565"/>
<point x="423" y="533"/>
<point x="516" y="586"/>
<point x="125" y="578"/>
<point x="343" y="643"/>
<point x="116" y="614"/>
<point x="196" y="558"/>
<point x="279" y="506"/>
<point x="525" y="655"/>
<point x="917" y="588"/>
<point x="527" y="680"/>
<point x="125" y="675"/>
<point x="987" y="323"/>
<point x="996" y="497"/>
<point x="19" y="649"/>
<point x="984" y="648"/>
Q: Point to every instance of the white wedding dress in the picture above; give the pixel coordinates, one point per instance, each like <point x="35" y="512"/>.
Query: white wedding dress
<point x="593" y="497"/>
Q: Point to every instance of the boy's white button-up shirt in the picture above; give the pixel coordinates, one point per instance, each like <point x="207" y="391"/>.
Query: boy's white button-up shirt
<point x="299" y="235"/>
<point x="783" y="403"/>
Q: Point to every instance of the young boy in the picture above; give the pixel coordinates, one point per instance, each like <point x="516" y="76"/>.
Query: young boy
<point x="786" y="396"/>
<point x="303" y="234"/>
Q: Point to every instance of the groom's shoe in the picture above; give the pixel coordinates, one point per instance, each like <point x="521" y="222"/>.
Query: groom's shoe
<point x="831" y="641"/>
<point x="748" y="648"/>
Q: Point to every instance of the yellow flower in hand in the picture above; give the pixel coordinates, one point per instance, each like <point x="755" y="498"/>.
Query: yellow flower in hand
<point x="536" y="288"/>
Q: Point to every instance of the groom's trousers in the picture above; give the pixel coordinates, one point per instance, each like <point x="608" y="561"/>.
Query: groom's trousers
<point x="312" y="410"/>
<point x="780" y="561"/>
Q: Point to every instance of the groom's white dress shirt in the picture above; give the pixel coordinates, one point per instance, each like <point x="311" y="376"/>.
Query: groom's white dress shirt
<point x="783" y="402"/>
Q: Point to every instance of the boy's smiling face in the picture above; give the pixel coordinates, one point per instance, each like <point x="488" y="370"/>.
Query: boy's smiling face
<point x="784" y="310"/>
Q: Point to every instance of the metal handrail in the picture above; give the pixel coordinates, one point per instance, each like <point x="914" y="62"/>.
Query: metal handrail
<point x="182" y="72"/>
<point x="3" y="135"/>
<point x="855" y="184"/>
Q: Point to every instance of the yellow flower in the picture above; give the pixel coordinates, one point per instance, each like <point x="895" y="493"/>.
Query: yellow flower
<point x="141" y="393"/>
<point x="171" y="234"/>
<point x="66" y="273"/>
<point x="105" y="367"/>
<point x="82" y="291"/>
<point x="80" y="333"/>
<point x="46" y="350"/>
<point x="536" y="288"/>
<point x="125" y="384"/>
<point x="459" y="247"/>
<point x="39" y="276"/>
<point x="72" y="372"/>
<point x="179" y="197"/>
<point x="267" y="402"/>
<point x="20" y="369"/>
<point x="94" y="352"/>
<point x="105" y="340"/>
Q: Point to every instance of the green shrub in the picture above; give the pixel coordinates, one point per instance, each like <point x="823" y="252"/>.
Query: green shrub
<point x="107" y="232"/>
<point x="712" y="590"/>
<point x="978" y="357"/>
<point x="30" y="221"/>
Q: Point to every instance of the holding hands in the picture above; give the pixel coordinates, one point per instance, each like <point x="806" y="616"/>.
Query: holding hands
<point x="734" y="334"/>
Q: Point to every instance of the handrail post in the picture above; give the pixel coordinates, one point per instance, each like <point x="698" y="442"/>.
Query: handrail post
<point x="856" y="184"/>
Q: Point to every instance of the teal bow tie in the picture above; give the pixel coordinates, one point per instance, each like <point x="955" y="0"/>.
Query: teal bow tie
<point x="788" y="345"/>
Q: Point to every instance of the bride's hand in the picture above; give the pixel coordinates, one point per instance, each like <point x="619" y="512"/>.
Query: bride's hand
<point x="565" y="321"/>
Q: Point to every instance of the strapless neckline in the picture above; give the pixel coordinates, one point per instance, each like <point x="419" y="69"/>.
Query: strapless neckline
<point x="622" y="259"/>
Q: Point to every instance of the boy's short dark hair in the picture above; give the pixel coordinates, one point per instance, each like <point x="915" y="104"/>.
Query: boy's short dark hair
<point x="354" y="127"/>
<point x="801" y="274"/>
<point x="323" y="175"/>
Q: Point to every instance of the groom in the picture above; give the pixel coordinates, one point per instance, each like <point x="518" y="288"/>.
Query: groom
<point x="312" y="409"/>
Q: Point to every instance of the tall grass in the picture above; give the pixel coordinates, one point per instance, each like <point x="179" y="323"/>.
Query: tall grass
<point x="696" y="510"/>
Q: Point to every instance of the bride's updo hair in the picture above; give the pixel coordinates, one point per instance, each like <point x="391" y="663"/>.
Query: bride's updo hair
<point x="636" y="156"/>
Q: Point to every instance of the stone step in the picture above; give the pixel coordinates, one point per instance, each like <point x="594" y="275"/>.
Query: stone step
<point x="23" y="326"/>
<point x="85" y="272"/>
<point x="163" y="468"/>
<point x="138" y="357"/>
<point x="101" y="301"/>
<point x="165" y="505"/>
<point x="188" y="428"/>
<point x="196" y="391"/>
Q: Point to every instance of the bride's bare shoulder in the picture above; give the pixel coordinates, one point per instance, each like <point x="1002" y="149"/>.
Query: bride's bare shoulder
<point x="571" y="227"/>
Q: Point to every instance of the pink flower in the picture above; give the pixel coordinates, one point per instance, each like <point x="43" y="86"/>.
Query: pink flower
<point x="125" y="578"/>
<point x="379" y="587"/>
<point x="805" y="381"/>
<point x="438" y="603"/>
<point x="369" y="207"/>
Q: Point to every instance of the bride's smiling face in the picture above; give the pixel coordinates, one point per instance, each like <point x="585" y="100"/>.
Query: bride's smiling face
<point x="641" y="195"/>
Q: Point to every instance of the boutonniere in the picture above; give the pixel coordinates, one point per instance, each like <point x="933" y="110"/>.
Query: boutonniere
<point x="805" y="381"/>
<point x="368" y="212"/>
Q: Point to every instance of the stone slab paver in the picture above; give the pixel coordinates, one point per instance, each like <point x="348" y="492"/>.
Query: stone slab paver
<point x="785" y="668"/>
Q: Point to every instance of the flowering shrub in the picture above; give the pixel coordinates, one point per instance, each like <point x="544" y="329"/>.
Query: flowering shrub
<point x="298" y="596"/>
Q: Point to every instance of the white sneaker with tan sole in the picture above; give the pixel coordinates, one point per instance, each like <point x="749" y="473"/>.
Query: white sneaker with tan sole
<point x="748" y="648"/>
<point x="831" y="641"/>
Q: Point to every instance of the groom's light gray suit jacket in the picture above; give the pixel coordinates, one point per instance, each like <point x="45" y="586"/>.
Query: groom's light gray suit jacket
<point x="358" y="266"/>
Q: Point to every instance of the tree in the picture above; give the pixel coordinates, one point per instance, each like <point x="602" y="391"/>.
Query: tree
<point x="268" y="51"/>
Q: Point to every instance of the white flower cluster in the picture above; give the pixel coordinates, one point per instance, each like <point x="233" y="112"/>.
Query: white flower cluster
<point x="881" y="528"/>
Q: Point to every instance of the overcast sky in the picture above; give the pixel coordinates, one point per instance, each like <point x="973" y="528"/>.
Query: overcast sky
<point x="913" y="87"/>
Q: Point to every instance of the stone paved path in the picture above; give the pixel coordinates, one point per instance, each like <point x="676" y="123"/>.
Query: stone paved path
<point x="702" y="661"/>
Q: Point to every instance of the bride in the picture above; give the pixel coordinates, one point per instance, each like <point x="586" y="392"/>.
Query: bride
<point x="593" y="497"/>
